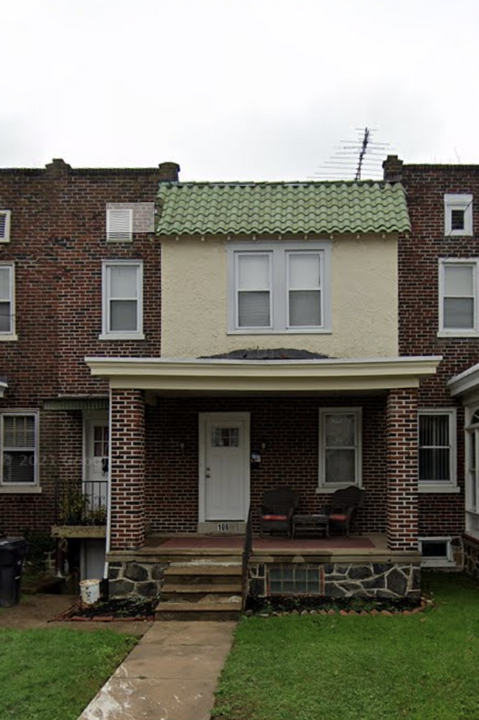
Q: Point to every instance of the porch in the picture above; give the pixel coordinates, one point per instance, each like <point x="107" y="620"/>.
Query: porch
<point x="213" y="576"/>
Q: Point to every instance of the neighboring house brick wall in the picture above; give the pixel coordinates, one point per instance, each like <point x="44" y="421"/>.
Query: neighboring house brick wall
<point x="58" y="242"/>
<point x="419" y="254"/>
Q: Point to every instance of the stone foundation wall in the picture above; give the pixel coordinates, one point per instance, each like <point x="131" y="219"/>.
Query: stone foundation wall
<point x="337" y="580"/>
<point x="133" y="578"/>
<point x="471" y="557"/>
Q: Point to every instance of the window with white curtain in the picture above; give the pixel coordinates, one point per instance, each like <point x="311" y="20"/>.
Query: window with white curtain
<point x="437" y="448"/>
<point x="122" y="300"/>
<point x="339" y="447"/>
<point x="458" y="297"/>
<point x="279" y="287"/>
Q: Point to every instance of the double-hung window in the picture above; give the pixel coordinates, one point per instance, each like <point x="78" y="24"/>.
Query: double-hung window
<point x="19" y="445"/>
<point x="339" y="447"/>
<point x="7" y="301"/>
<point x="458" y="297"/>
<point x="437" y="450"/>
<point x="279" y="287"/>
<point x="122" y="300"/>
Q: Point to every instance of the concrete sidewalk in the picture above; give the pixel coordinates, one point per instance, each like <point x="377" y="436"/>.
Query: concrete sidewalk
<point x="170" y="675"/>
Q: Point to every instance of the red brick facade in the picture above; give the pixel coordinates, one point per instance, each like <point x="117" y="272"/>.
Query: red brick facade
<point x="58" y="243"/>
<point x="419" y="254"/>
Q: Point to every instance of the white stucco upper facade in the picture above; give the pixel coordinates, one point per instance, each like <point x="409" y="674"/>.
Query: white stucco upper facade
<point x="363" y="300"/>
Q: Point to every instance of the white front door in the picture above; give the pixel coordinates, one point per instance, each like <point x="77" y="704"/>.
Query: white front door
<point x="95" y="476"/>
<point x="224" y="466"/>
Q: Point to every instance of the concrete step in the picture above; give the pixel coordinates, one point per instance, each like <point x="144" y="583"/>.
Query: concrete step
<point x="170" y="592"/>
<point x="205" y="608"/>
<point x="201" y="568"/>
<point x="210" y="580"/>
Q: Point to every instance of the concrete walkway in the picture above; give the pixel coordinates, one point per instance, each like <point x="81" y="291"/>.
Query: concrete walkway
<point x="170" y="675"/>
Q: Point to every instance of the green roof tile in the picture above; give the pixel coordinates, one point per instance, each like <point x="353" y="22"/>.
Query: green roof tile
<point x="269" y="208"/>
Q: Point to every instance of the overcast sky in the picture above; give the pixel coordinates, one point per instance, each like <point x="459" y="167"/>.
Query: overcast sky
<point x="261" y="89"/>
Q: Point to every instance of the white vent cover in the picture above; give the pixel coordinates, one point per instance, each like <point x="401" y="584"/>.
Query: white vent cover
<point x="119" y="225"/>
<point x="4" y="225"/>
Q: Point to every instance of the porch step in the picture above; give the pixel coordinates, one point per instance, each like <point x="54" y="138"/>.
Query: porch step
<point x="201" y="590"/>
<point x="173" y="592"/>
<point x="208" y="607"/>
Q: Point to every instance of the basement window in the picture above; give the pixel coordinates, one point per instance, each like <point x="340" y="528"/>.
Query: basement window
<point x="294" y="581"/>
<point x="436" y="552"/>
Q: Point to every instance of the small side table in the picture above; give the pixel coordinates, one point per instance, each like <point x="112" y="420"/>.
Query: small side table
<point x="310" y="523"/>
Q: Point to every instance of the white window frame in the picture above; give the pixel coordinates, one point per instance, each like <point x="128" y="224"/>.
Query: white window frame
<point x="8" y="335"/>
<point x="439" y="560"/>
<point x="238" y="291"/>
<point x="279" y="298"/>
<point x="457" y="202"/>
<point x="5" y="238"/>
<point x="441" y="486"/>
<point x="324" y="486"/>
<point x="33" y="487"/>
<point x="108" y="334"/>
<point x="114" y="235"/>
<point x="459" y="332"/>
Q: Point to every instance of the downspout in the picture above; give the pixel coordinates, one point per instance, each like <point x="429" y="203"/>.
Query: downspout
<point x="108" y="515"/>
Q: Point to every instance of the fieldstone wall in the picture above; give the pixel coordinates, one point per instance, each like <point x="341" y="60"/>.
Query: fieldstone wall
<point x="337" y="580"/>
<point x="471" y="557"/>
<point x="134" y="578"/>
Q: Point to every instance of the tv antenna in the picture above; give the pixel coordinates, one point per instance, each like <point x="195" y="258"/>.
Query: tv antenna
<point x="355" y="159"/>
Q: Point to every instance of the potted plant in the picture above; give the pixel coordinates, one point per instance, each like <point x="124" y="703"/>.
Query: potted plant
<point x="74" y="506"/>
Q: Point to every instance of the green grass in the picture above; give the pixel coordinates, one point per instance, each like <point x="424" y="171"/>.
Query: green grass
<point x="418" y="667"/>
<point x="52" y="674"/>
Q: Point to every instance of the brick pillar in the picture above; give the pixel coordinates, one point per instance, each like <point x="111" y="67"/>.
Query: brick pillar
<point x="402" y="456"/>
<point x="127" y="473"/>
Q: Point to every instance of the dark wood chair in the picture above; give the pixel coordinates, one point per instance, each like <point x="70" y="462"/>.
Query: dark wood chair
<point x="277" y="509"/>
<point x="343" y="507"/>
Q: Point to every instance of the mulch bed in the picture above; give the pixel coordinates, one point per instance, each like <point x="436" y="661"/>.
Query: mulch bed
<point x="127" y="609"/>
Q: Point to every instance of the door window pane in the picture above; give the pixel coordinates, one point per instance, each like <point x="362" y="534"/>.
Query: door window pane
<point x="225" y="437"/>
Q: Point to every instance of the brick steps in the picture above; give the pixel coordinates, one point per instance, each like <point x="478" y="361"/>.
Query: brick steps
<point x="201" y="590"/>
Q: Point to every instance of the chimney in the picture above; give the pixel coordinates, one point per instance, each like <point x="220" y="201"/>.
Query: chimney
<point x="169" y="171"/>
<point x="392" y="167"/>
<point x="58" y="167"/>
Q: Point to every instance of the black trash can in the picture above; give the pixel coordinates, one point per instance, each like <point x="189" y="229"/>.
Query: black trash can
<point x="13" y="551"/>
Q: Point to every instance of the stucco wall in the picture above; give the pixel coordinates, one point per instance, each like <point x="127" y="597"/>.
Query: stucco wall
<point x="364" y="301"/>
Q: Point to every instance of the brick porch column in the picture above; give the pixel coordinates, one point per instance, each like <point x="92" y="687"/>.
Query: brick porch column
<point x="127" y="473"/>
<point x="402" y="457"/>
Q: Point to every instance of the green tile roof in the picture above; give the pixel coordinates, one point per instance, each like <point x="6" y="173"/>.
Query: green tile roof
<point x="290" y="207"/>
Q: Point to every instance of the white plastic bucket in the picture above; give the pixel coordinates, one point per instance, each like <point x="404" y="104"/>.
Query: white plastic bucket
<point x="90" y="591"/>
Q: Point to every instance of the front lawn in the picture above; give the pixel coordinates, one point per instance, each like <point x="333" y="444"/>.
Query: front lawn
<point x="416" y="667"/>
<point x="52" y="674"/>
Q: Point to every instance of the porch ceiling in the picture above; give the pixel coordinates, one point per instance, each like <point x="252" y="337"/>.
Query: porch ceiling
<point x="296" y="377"/>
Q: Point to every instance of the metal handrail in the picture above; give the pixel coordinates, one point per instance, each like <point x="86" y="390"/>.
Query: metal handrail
<point x="248" y="546"/>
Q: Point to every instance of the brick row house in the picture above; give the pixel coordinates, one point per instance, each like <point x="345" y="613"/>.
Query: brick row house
<point x="175" y="349"/>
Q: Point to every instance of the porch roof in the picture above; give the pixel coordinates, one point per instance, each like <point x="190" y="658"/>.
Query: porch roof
<point x="465" y="383"/>
<point x="187" y="376"/>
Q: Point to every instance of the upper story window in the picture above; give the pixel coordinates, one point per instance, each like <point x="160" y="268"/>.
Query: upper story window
<point x="7" y="302"/>
<point x="458" y="282"/>
<point x="5" y="225"/>
<point x="437" y="449"/>
<point x="122" y="300"/>
<point x="279" y="287"/>
<point x="457" y="215"/>
<point x="19" y="447"/>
